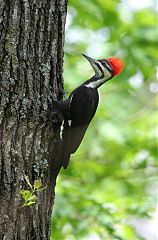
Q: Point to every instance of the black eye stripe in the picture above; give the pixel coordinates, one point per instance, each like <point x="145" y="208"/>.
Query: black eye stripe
<point x="98" y="66"/>
<point x="106" y="65"/>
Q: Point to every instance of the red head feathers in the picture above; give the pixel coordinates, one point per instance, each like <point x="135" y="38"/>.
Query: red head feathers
<point x="116" y="64"/>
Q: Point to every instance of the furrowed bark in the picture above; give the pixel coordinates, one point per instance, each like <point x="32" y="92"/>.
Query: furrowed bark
<point x="31" y="60"/>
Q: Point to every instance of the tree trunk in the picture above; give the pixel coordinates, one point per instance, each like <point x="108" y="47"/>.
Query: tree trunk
<point x="31" y="59"/>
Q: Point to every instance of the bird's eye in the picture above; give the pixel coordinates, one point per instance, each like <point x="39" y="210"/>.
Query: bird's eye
<point x="103" y="63"/>
<point x="106" y="65"/>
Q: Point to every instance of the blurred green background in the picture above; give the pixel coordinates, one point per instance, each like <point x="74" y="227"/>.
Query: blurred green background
<point x="110" y="189"/>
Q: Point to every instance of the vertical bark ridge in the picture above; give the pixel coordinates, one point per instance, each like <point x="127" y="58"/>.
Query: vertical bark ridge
<point x="31" y="60"/>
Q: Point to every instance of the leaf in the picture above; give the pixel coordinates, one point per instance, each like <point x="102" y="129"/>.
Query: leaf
<point x="32" y="198"/>
<point x="37" y="184"/>
<point x="28" y="203"/>
<point x="25" y="194"/>
<point x="28" y="182"/>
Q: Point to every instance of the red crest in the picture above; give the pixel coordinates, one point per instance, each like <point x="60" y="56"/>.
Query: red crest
<point x="116" y="64"/>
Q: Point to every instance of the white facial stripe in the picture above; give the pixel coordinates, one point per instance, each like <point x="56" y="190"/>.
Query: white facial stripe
<point x="100" y="81"/>
<point x="96" y="83"/>
<point x="104" y="71"/>
<point x="108" y="65"/>
<point x="101" y="75"/>
<point x="96" y="69"/>
<point x="107" y="74"/>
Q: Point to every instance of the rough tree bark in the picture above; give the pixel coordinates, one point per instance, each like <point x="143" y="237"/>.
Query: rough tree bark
<point x="31" y="59"/>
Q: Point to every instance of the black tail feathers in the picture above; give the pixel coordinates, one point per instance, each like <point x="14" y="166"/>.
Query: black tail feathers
<point x="66" y="159"/>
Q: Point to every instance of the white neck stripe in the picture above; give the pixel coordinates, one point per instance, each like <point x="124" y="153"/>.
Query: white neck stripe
<point x="96" y="83"/>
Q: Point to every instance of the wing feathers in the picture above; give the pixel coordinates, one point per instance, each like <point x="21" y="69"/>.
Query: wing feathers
<point x="82" y="106"/>
<point x="72" y="137"/>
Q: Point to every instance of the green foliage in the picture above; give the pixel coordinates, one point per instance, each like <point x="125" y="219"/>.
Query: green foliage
<point x="112" y="178"/>
<point x="30" y="196"/>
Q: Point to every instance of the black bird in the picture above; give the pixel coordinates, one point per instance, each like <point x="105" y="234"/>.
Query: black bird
<point x="79" y="109"/>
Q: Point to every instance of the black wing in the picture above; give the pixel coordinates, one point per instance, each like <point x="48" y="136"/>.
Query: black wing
<point x="83" y="103"/>
<point x="72" y="137"/>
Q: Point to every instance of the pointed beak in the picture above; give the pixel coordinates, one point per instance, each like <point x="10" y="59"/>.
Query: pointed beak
<point x="92" y="61"/>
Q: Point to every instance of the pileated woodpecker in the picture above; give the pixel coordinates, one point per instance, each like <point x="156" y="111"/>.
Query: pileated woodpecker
<point x="79" y="109"/>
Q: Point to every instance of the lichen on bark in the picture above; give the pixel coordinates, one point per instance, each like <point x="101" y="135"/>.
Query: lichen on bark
<point x="31" y="61"/>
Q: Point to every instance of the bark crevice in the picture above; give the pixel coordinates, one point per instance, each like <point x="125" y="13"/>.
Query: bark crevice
<point x="31" y="61"/>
